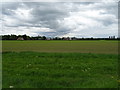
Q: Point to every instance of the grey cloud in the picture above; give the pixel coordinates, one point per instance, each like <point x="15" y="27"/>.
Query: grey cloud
<point x="51" y="15"/>
<point x="9" y="6"/>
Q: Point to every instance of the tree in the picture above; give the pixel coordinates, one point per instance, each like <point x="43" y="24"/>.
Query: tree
<point x="13" y="37"/>
<point x="43" y="38"/>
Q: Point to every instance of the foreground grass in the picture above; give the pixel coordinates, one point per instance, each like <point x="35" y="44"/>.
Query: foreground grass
<point x="59" y="70"/>
<point x="90" y="46"/>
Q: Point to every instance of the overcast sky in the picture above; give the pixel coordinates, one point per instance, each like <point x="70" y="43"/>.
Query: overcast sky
<point x="73" y="19"/>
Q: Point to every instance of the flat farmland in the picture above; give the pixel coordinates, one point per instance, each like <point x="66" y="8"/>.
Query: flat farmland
<point x="108" y="47"/>
<point x="60" y="64"/>
<point x="59" y="70"/>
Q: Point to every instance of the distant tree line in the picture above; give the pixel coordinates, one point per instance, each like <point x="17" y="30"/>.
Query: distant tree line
<point x="25" y="37"/>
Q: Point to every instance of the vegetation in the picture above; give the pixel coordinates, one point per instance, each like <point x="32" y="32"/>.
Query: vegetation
<point x="59" y="70"/>
<point x="93" y="46"/>
<point x="60" y="64"/>
<point x="25" y="37"/>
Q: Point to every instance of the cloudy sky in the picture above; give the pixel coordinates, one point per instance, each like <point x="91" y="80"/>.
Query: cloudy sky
<point x="60" y="19"/>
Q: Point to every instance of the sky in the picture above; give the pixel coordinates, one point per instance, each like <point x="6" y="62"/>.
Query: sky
<point x="60" y="19"/>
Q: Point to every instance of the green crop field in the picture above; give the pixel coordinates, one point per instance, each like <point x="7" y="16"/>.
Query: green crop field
<point x="60" y="64"/>
<point x="108" y="47"/>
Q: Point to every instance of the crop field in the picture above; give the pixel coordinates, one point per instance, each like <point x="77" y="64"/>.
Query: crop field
<point x="108" y="47"/>
<point x="60" y="64"/>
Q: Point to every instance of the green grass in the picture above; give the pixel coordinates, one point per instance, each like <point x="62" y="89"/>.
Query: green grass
<point x="60" y="64"/>
<point x="59" y="70"/>
<point x="93" y="46"/>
